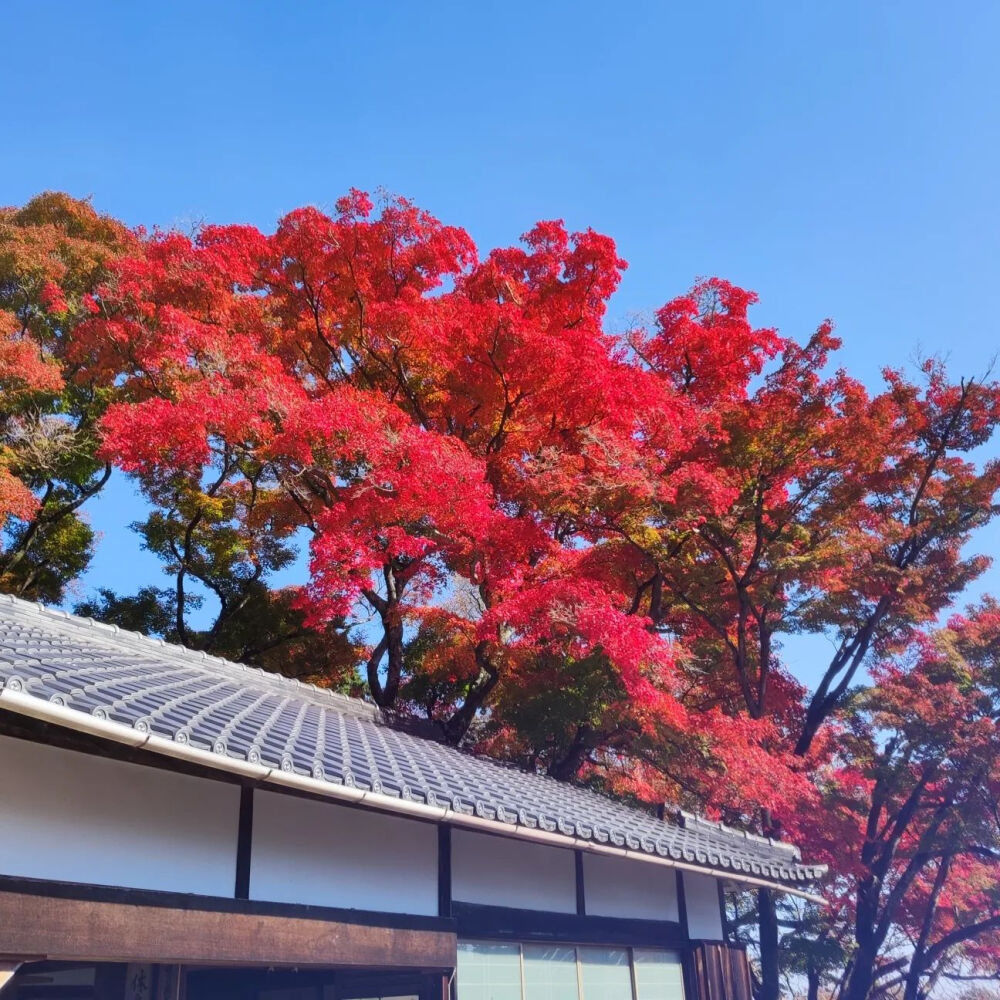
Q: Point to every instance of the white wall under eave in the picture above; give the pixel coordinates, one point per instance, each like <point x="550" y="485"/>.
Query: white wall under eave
<point x="73" y="817"/>
<point x="501" y="871"/>
<point x="619" y="887"/>
<point x="330" y="855"/>
<point x="704" y="910"/>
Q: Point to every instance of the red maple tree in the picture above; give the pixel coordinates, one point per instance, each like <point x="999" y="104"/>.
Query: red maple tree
<point x="571" y="549"/>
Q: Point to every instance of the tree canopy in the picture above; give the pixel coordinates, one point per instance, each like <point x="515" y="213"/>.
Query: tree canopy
<point x="575" y="550"/>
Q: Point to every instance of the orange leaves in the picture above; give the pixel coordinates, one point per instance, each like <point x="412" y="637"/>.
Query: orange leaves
<point x="23" y="368"/>
<point x="53" y="252"/>
<point x="16" y="500"/>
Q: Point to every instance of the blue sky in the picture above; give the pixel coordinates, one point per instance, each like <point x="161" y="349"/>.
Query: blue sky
<point x="839" y="158"/>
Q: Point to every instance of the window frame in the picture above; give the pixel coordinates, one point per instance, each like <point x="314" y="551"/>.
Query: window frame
<point x="577" y="946"/>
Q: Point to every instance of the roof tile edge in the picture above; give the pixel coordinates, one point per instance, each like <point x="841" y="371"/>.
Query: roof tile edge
<point x="351" y="706"/>
<point x="358" y="709"/>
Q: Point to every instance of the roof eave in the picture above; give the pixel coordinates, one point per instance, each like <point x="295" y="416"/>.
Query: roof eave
<point x="27" y="704"/>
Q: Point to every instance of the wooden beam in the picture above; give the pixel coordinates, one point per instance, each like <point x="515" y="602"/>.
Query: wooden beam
<point x="72" y="929"/>
<point x="502" y="923"/>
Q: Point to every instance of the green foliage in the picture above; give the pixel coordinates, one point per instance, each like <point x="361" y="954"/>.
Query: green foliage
<point x="53" y="551"/>
<point x="151" y="611"/>
<point x="54" y="253"/>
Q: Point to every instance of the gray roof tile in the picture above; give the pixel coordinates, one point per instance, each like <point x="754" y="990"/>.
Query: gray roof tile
<point x="241" y="712"/>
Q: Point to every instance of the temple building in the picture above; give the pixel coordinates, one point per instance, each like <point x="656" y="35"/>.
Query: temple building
<point x="178" y="827"/>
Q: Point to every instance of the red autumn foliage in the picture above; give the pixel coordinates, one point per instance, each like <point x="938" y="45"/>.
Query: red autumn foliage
<point x="567" y="548"/>
<point x="910" y="825"/>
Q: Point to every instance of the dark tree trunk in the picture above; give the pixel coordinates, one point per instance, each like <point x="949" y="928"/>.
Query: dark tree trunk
<point x="812" y="983"/>
<point x="862" y="974"/>
<point x="767" y="915"/>
<point x="566" y="767"/>
<point x="859" y="983"/>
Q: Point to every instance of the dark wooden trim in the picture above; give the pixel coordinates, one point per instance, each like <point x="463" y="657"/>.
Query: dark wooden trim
<point x="67" y="928"/>
<point x="631" y="974"/>
<point x="444" y="870"/>
<point x="244" y="843"/>
<point x="348" y="985"/>
<point x="682" y="909"/>
<point x="47" y="991"/>
<point x="157" y="899"/>
<point x="722" y="909"/>
<point x="689" y="976"/>
<point x="687" y="955"/>
<point x="506" y="924"/>
<point x="109" y="980"/>
<point x="581" y="891"/>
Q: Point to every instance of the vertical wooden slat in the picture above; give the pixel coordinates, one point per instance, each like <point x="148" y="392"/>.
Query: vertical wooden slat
<point x="718" y="971"/>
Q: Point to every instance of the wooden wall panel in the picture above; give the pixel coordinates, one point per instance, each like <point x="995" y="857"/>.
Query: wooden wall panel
<point x="719" y="972"/>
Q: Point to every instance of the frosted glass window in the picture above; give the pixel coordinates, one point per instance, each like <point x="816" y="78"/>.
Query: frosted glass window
<point x="604" y="974"/>
<point x="549" y="973"/>
<point x="658" y="974"/>
<point x="496" y="971"/>
<point x="488" y="971"/>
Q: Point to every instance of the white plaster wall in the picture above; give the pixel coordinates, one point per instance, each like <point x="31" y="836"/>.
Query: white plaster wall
<point x="701" y="894"/>
<point x="330" y="855"/>
<point x="73" y="817"/>
<point x="499" y="871"/>
<point x="618" y="887"/>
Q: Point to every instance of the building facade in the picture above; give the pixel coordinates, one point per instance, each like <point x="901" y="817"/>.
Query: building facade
<point x="177" y="826"/>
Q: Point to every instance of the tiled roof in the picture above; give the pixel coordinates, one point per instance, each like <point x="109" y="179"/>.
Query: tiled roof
<point x="242" y="713"/>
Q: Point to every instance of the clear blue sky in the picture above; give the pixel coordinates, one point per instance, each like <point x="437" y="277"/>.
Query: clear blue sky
<point x="839" y="158"/>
